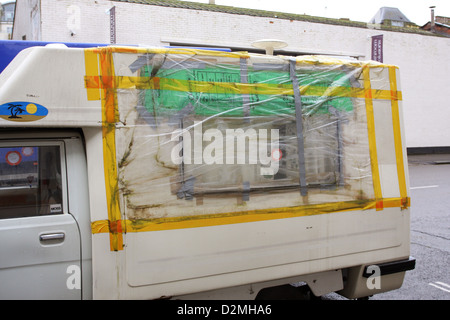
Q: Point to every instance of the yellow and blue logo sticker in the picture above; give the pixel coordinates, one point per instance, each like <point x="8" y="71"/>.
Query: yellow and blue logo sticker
<point x="22" y="111"/>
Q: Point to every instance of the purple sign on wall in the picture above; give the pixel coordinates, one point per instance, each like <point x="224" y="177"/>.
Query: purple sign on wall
<point x="377" y="48"/>
<point x="112" y="25"/>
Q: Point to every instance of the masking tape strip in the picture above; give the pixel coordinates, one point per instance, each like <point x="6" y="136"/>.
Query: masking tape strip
<point x="109" y="118"/>
<point x="327" y="61"/>
<point x="109" y="83"/>
<point x="372" y="139"/>
<point x="397" y="135"/>
<point x="91" y="68"/>
<point x="308" y="60"/>
<point x="156" y="83"/>
<point x="160" y="224"/>
<point x="181" y="51"/>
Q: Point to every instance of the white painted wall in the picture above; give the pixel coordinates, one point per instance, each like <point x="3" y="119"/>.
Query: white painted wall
<point x="4" y="27"/>
<point x="423" y="60"/>
<point x="27" y="20"/>
<point x="424" y="63"/>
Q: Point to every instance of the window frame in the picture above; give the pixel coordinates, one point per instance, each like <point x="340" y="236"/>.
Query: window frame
<point x="20" y="143"/>
<point x="188" y="177"/>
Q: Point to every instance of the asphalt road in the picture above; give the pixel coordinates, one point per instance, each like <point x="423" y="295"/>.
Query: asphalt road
<point x="430" y="232"/>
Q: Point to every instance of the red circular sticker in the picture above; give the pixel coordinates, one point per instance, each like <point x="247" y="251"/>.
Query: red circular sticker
<point x="13" y="158"/>
<point x="277" y="154"/>
<point x="27" y="151"/>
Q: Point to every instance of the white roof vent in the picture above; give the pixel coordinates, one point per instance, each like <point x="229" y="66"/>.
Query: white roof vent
<point x="56" y="45"/>
<point x="269" y="45"/>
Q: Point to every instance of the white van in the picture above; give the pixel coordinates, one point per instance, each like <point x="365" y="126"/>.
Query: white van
<point x="146" y="173"/>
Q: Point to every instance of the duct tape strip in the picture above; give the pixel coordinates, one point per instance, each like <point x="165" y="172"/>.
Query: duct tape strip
<point x="161" y="224"/>
<point x="299" y="127"/>
<point x="372" y="139"/>
<point x="246" y="191"/>
<point x="398" y="136"/>
<point x="245" y="97"/>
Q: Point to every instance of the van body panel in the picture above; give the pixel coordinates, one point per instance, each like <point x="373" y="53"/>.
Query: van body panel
<point x="189" y="171"/>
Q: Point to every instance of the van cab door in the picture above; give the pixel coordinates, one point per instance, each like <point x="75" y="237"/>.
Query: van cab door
<point x="40" y="248"/>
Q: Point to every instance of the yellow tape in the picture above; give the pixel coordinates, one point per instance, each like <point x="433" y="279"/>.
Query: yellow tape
<point x="125" y="82"/>
<point x="240" y="55"/>
<point x="91" y="67"/>
<point x="143" y="83"/>
<point x="160" y="224"/>
<point x="109" y="118"/>
<point x="323" y="60"/>
<point x="372" y="139"/>
<point x="181" y="51"/>
<point x="397" y="136"/>
<point x="109" y="83"/>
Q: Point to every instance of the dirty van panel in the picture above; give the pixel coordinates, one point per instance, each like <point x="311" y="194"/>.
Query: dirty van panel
<point x="206" y="169"/>
<point x="190" y="149"/>
<point x="225" y="171"/>
<point x="258" y="247"/>
<point x="37" y="233"/>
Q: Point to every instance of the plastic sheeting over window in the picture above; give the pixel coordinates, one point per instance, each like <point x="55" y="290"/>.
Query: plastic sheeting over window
<point x="199" y="136"/>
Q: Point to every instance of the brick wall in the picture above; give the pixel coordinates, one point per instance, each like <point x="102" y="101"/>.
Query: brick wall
<point x="444" y="20"/>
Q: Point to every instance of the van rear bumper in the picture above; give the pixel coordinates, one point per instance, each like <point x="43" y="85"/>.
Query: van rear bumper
<point x="392" y="267"/>
<point x="367" y="280"/>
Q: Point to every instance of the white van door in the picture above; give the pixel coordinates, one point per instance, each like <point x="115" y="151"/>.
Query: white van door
<point x="39" y="238"/>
